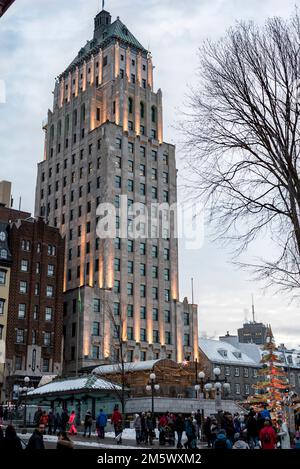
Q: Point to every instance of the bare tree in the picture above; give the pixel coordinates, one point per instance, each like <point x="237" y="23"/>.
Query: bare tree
<point x="242" y="136"/>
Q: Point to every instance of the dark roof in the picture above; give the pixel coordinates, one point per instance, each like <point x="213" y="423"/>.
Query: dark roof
<point x="115" y="31"/>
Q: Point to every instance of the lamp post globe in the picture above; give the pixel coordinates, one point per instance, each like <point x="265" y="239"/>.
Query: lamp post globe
<point x="26" y="380"/>
<point x="217" y="371"/>
<point x="218" y="386"/>
<point x="197" y="387"/>
<point x="201" y="375"/>
<point x="208" y="386"/>
<point x="226" y="387"/>
<point x="148" y="388"/>
<point x="153" y="376"/>
<point x="156" y="387"/>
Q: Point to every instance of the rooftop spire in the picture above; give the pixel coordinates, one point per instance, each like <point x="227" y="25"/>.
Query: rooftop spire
<point x="102" y="22"/>
<point x="253" y="312"/>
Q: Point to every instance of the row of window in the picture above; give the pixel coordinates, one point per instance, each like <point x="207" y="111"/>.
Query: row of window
<point x="130" y="355"/>
<point x="237" y="371"/>
<point x="142" y="189"/>
<point x="130" y="291"/>
<point x="23" y="289"/>
<point x="130" y="269"/>
<point x="47" y="337"/>
<point x="25" y="268"/>
<point x="26" y="246"/>
<point x="22" y="309"/>
<point x="45" y="364"/>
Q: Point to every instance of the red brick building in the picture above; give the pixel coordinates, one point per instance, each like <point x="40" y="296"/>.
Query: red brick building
<point x="35" y="317"/>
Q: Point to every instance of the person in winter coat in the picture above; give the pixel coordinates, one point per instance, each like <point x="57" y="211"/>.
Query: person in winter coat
<point x="72" y="429"/>
<point x="11" y="441"/>
<point x="57" y="423"/>
<point x="88" y="423"/>
<point x="116" y="421"/>
<point x="190" y="432"/>
<point x="44" y="419"/>
<point x="179" y="428"/>
<point x="252" y="430"/>
<point x="36" y="441"/>
<point x="239" y="442"/>
<point x="265" y="414"/>
<point x="297" y="440"/>
<point x="198" y="419"/>
<point x="101" y="423"/>
<point x="137" y="425"/>
<point x="207" y="431"/>
<point x="285" y="441"/>
<point x="268" y="436"/>
<point x="37" y="416"/>
<point x="213" y="431"/>
<point x="149" y="428"/>
<point x="222" y="442"/>
<point x="64" y="420"/>
<point x="50" y="422"/>
<point x="64" y="442"/>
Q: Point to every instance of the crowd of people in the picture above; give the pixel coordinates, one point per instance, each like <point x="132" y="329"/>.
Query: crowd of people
<point x="252" y="430"/>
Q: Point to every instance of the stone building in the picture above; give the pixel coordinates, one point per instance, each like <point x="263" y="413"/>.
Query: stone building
<point x="34" y="323"/>
<point x="104" y="145"/>
<point x="253" y="332"/>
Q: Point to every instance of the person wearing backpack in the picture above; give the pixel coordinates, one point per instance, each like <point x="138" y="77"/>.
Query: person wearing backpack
<point x="222" y="441"/>
<point x="268" y="436"/>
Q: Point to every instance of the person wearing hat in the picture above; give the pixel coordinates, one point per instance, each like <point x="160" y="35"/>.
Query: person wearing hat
<point x="239" y="441"/>
<point x="88" y="423"/>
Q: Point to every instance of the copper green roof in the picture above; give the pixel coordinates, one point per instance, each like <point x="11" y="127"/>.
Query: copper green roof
<point x="115" y="31"/>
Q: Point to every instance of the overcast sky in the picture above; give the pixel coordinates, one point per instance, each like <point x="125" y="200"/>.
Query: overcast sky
<point x="38" y="40"/>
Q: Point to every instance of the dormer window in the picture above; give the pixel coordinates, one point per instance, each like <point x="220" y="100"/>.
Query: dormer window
<point x="223" y="353"/>
<point x="237" y="355"/>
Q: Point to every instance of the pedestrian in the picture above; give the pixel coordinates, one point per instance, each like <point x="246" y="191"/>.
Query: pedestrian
<point x="64" y="420"/>
<point x="268" y="436"/>
<point x="44" y="419"/>
<point x="116" y="421"/>
<point x="64" y="442"/>
<point x="207" y="431"/>
<point x="50" y="422"/>
<point x="88" y="423"/>
<point x="144" y="436"/>
<point x="137" y="425"/>
<point x="222" y="442"/>
<point x="239" y="442"/>
<point x="252" y="430"/>
<point x="1" y="414"/>
<point x="101" y="423"/>
<point x="57" y="423"/>
<point x="285" y="441"/>
<point x="36" y="441"/>
<point x="214" y="431"/>
<point x="37" y="416"/>
<point x="297" y="440"/>
<point x="198" y="419"/>
<point x="11" y="441"/>
<point x="149" y="428"/>
<point x="1" y="439"/>
<point x="190" y="432"/>
<point x="5" y="414"/>
<point x="179" y="428"/>
<point x="265" y="413"/>
<point x="71" y="422"/>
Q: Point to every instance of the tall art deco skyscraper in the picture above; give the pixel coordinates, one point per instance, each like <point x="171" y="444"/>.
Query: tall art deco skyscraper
<point x="104" y="140"/>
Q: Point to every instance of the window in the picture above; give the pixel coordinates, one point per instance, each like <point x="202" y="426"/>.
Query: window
<point x="154" y="251"/>
<point x="95" y="352"/>
<point x="118" y="162"/>
<point x="117" y="309"/>
<point x="142" y="152"/>
<point x="165" y="178"/>
<point x="25" y="245"/>
<point x="143" y="270"/>
<point x="143" y="82"/>
<point x="130" y="105"/>
<point x="167" y="276"/>
<point x="35" y="312"/>
<point x="20" y="336"/>
<point x="168" y="337"/>
<point x="129" y="288"/>
<point x="236" y="372"/>
<point x="246" y="372"/>
<point x="117" y="243"/>
<point x="117" y="265"/>
<point x="142" y="108"/>
<point x="143" y="312"/>
<point x="154" y="193"/>
<point x="142" y="170"/>
<point x="154" y="293"/>
<point x="186" y="319"/>
<point x="18" y="363"/>
<point x="49" y="291"/>
<point x="254" y="373"/>
<point x="186" y="340"/>
<point x="167" y="314"/>
<point x="133" y="78"/>
<point x="46" y="365"/>
<point x="118" y="182"/>
<point x="167" y="295"/>
<point x="130" y="333"/>
<point x="50" y="271"/>
<point x="47" y="339"/>
<point x="130" y="125"/>
<point x="153" y="114"/>
<point x="227" y="370"/>
<point x="117" y="286"/>
<point x="130" y="311"/>
<point x="155" y="314"/>
<point x="73" y="329"/>
<point x="143" y="291"/>
<point x="22" y="311"/>
<point x="130" y="356"/>
<point x="96" y="329"/>
<point x="130" y="267"/>
<point x="166" y="254"/>
<point x="143" y="356"/>
<point x="237" y="388"/>
<point x="24" y="265"/>
<point x="119" y="143"/>
<point x="51" y="250"/>
<point x="142" y="189"/>
<point x="130" y="245"/>
<point x="156" y="337"/>
<point x="105" y="61"/>
<point x="166" y="159"/>
<point x="143" y="335"/>
<point x="2" y="277"/>
<point x="130" y="166"/>
<point x="154" y="271"/>
<point x="165" y="196"/>
<point x="130" y="185"/>
<point x="97" y="305"/>
<point x="2" y="303"/>
<point x="49" y="314"/>
<point x="130" y="147"/>
<point x="247" y="389"/>
<point x="23" y="287"/>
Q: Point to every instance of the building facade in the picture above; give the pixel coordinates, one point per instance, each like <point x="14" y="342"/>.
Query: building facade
<point x="4" y="5"/>
<point x="34" y="326"/>
<point x="104" y="145"/>
<point x="253" y="332"/>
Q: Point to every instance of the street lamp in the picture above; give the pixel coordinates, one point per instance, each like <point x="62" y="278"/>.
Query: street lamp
<point x="24" y="391"/>
<point x="152" y="386"/>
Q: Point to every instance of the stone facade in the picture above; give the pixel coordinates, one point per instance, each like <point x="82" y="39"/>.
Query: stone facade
<point x="104" y="139"/>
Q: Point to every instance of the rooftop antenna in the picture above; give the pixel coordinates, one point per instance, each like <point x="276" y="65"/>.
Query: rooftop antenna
<point x="20" y="204"/>
<point x="253" y="312"/>
<point x="192" y="291"/>
<point x="103" y="4"/>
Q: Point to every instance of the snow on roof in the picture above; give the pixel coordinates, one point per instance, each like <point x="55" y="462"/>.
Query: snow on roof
<point x="74" y="384"/>
<point x="218" y="351"/>
<point x="128" y="367"/>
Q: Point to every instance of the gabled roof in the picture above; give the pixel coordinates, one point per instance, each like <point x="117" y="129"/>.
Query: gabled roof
<point x="86" y="383"/>
<point x="128" y="367"/>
